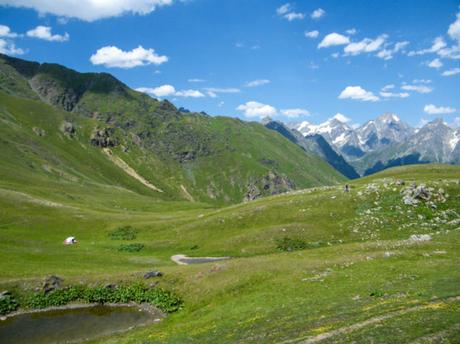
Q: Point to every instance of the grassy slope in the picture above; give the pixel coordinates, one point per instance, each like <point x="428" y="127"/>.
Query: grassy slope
<point x="262" y="295"/>
<point x="228" y="153"/>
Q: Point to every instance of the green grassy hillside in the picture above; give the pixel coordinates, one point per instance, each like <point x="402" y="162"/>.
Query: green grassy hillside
<point x="316" y="265"/>
<point x="66" y="119"/>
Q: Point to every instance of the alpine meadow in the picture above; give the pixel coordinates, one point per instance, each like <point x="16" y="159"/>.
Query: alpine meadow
<point x="233" y="171"/>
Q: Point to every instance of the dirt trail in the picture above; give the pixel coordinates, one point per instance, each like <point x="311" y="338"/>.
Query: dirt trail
<point x="129" y="170"/>
<point x="371" y="321"/>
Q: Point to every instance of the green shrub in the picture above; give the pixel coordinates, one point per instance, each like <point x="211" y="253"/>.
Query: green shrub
<point x="8" y="304"/>
<point x="131" y="248"/>
<point x="123" y="233"/>
<point x="295" y="244"/>
<point x="139" y="293"/>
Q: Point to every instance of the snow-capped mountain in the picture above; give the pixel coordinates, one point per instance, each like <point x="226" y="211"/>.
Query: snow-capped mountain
<point x="354" y="143"/>
<point x="384" y="130"/>
<point x="337" y="132"/>
<point x="388" y="141"/>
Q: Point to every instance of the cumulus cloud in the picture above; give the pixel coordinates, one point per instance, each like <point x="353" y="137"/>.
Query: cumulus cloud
<point x="312" y="34"/>
<point x="258" y="82"/>
<point x="417" y="88"/>
<point x="435" y="110"/>
<point x="358" y="93"/>
<point x="190" y="93"/>
<point x="5" y="31"/>
<point x="451" y="72"/>
<point x="367" y="45"/>
<point x="44" y="32"/>
<point x="318" y="13"/>
<point x="286" y="11"/>
<point x="436" y="63"/>
<point x="161" y="91"/>
<point x="9" y="48"/>
<point x="387" y="53"/>
<point x="295" y="113"/>
<point x="454" y="29"/>
<point x="333" y="39"/>
<point x="169" y="90"/>
<point x="111" y="56"/>
<point x="437" y="45"/>
<point x="89" y="10"/>
<point x="256" y="109"/>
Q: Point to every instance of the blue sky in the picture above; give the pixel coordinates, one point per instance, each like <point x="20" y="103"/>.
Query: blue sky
<point x="297" y="60"/>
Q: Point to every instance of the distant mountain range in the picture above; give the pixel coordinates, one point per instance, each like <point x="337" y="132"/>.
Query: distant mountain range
<point x="387" y="141"/>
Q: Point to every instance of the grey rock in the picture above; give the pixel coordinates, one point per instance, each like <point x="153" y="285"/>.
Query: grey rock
<point x="152" y="274"/>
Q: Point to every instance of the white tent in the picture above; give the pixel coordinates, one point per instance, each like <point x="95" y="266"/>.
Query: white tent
<point x="70" y="241"/>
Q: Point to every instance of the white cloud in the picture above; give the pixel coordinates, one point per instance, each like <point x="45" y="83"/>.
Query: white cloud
<point x="358" y="93"/>
<point x="387" y="53"/>
<point x="190" y="93"/>
<point x="351" y="31"/>
<point x="422" y="81"/>
<point x="258" y="82"/>
<point x="196" y="80"/>
<point x="89" y="10"/>
<point x="394" y="95"/>
<point x="437" y="45"/>
<point x="454" y="29"/>
<point x="417" y="88"/>
<point x="256" y="109"/>
<point x="5" y="31"/>
<point x="435" y="110"/>
<point x="451" y="72"/>
<point x="111" y="56"/>
<point x="318" y="13"/>
<point x="312" y="34"/>
<point x="285" y="11"/>
<point x="169" y="90"/>
<point x="44" y="32"/>
<point x="388" y="87"/>
<point x="282" y="10"/>
<point x="294" y="113"/>
<point x="9" y="48"/>
<point x="213" y="91"/>
<point x="161" y="91"/>
<point x="436" y="63"/>
<point x="367" y="45"/>
<point x="294" y="16"/>
<point x="333" y="39"/>
<point x="341" y="117"/>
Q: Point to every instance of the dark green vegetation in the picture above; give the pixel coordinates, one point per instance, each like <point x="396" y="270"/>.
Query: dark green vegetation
<point x="359" y="266"/>
<point x="138" y="292"/>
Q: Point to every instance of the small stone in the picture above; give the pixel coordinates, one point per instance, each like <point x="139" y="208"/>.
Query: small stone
<point x="152" y="274"/>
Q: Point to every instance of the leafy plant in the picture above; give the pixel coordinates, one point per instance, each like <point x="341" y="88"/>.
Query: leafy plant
<point x="8" y="304"/>
<point x="139" y="293"/>
<point x="294" y="244"/>
<point x="131" y="247"/>
<point x="123" y="233"/>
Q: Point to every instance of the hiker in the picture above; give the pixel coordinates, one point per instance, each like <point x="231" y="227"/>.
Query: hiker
<point x="347" y="188"/>
<point x="70" y="241"/>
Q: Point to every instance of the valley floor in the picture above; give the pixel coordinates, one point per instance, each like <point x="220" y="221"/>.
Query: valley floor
<point x="319" y="265"/>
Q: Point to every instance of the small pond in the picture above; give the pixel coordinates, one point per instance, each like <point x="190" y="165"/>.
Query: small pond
<point x="74" y="325"/>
